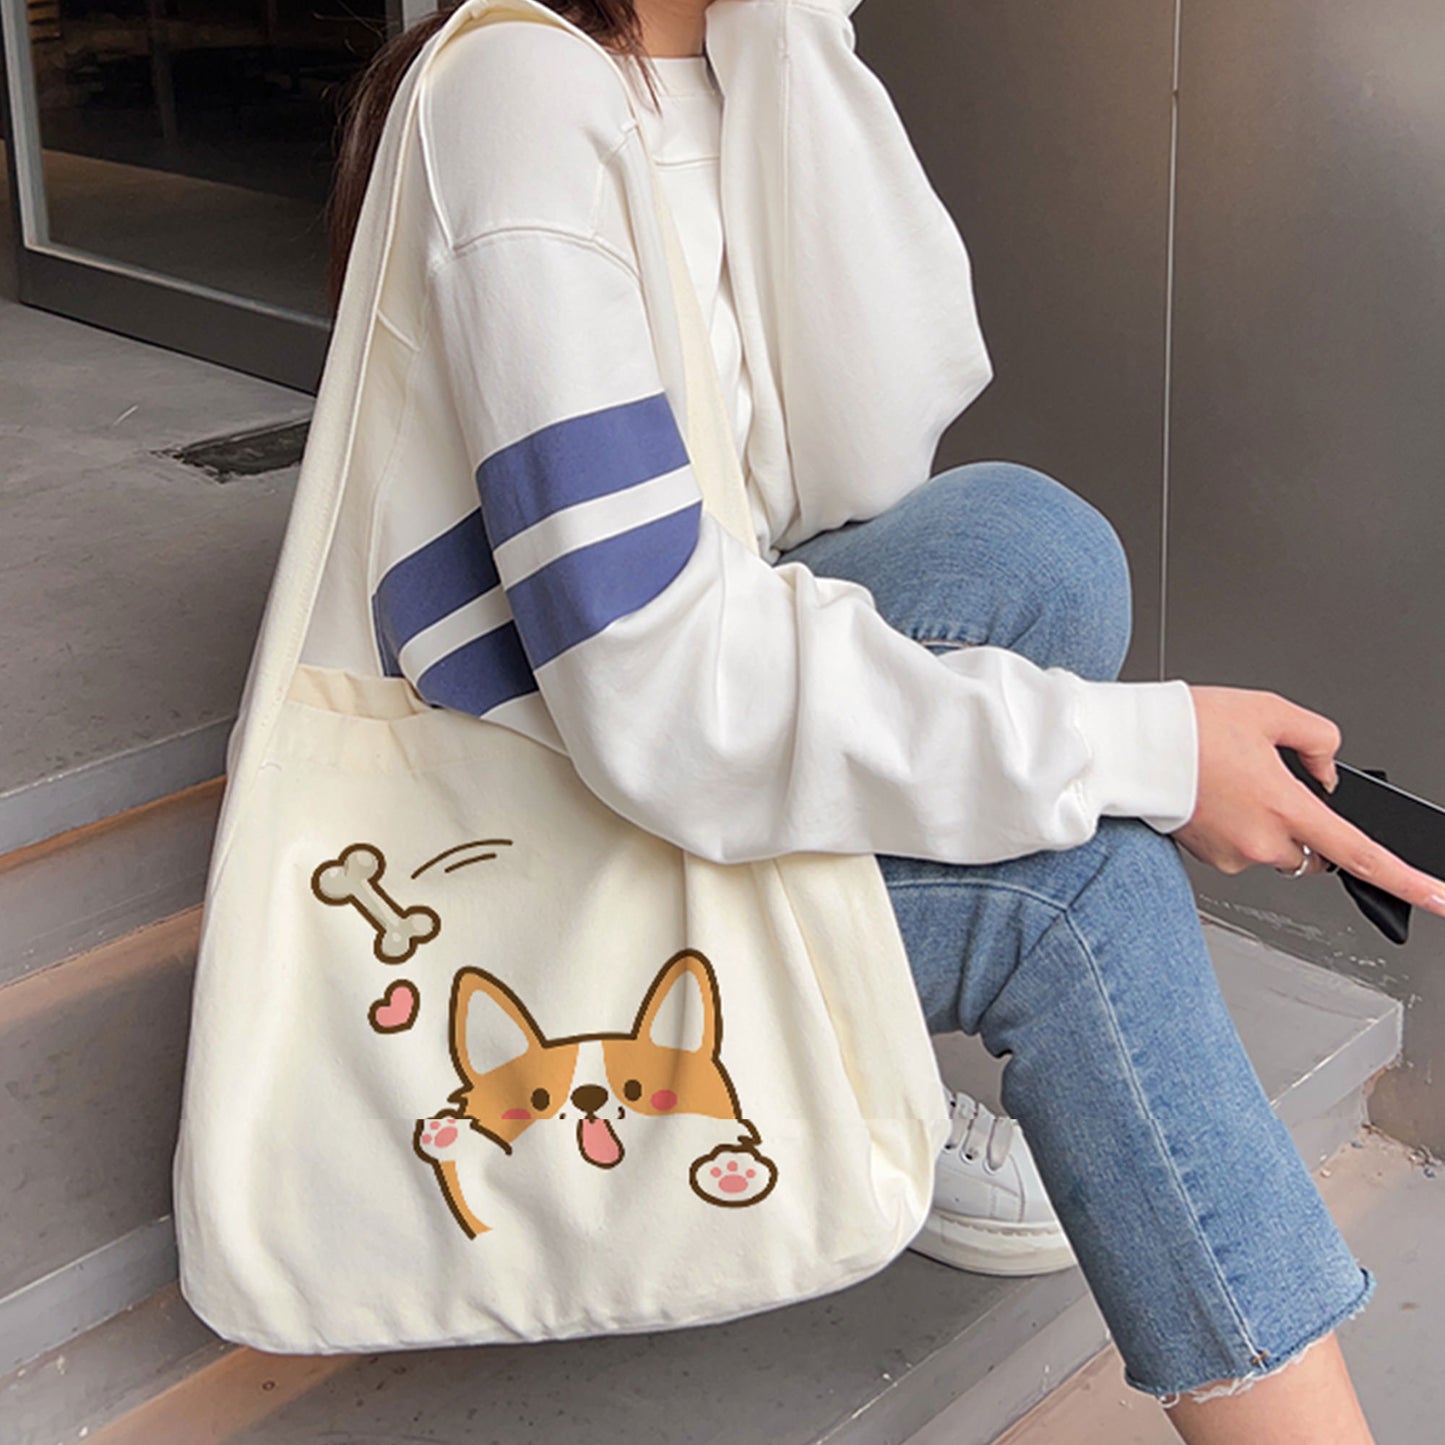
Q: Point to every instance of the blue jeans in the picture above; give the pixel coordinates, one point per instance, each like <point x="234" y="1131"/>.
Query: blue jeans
<point x="1194" y="1219"/>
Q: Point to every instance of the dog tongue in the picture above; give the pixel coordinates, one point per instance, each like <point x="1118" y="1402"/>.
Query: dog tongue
<point x="598" y="1143"/>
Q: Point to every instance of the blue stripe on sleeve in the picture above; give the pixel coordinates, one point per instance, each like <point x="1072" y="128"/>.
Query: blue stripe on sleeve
<point x="580" y="592"/>
<point x="576" y="459"/>
<point x="390" y="663"/>
<point x="480" y="674"/>
<point x="429" y="584"/>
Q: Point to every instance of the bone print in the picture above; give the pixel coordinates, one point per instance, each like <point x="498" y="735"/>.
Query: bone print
<point x="355" y="878"/>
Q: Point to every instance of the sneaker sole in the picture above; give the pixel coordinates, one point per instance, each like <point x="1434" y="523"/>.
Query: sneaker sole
<point x="993" y="1247"/>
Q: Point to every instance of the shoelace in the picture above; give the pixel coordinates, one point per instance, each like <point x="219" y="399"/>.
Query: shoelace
<point x="971" y="1126"/>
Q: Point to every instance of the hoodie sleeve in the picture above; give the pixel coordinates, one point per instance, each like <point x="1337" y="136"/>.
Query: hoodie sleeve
<point x="738" y="709"/>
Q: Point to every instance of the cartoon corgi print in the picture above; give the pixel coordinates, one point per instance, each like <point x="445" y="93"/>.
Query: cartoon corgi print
<point x="599" y="1087"/>
<point x="436" y="1140"/>
<point x="733" y="1175"/>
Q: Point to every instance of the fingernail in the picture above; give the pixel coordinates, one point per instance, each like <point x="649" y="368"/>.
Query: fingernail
<point x="1333" y="783"/>
<point x="1436" y="901"/>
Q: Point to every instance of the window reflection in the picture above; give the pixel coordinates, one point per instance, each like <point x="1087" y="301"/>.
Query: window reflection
<point x="196" y="137"/>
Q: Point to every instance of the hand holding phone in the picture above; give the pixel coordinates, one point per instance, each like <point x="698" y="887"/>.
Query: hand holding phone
<point x="1254" y="807"/>
<point x="1410" y="827"/>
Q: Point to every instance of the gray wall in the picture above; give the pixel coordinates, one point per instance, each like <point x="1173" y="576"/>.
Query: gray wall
<point x="1286" y="529"/>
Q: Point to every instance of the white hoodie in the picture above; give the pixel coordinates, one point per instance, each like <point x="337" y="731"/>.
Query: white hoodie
<point x="560" y="576"/>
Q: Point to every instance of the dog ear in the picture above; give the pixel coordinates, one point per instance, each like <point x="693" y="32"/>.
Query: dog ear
<point x="682" y="1009"/>
<point x="490" y="1024"/>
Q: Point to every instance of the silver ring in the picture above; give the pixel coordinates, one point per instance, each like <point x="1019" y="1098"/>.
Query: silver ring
<point x="1304" y="863"/>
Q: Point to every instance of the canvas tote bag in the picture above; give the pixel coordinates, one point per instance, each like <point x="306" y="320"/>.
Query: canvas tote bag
<point x="475" y="1059"/>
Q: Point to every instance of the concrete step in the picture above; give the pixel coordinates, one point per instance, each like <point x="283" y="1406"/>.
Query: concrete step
<point x="91" y="1059"/>
<point x="91" y="885"/>
<point x="132" y="583"/>
<point x="109" y="1372"/>
<point x="879" y="1363"/>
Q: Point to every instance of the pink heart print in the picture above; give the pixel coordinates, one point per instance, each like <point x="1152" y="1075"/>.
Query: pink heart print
<point x="396" y="1008"/>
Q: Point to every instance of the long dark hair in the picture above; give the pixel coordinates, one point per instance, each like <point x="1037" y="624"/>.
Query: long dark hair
<point x="612" y="23"/>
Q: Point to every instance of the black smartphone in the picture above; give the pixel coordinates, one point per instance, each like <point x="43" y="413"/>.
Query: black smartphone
<point x="1412" y="828"/>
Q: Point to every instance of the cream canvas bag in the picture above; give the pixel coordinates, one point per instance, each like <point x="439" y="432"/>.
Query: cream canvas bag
<point x="472" y="1057"/>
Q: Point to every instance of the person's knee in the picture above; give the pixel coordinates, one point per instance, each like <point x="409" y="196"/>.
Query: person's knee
<point x="1074" y="559"/>
<point x="1094" y="589"/>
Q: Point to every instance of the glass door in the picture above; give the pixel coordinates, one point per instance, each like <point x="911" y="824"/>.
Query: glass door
<point x="169" y="162"/>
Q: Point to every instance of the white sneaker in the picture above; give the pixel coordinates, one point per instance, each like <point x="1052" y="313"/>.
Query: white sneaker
<point x="990" y="1212"/>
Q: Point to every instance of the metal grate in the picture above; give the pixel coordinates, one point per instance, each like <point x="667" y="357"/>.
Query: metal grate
<point x="246" y="453"/>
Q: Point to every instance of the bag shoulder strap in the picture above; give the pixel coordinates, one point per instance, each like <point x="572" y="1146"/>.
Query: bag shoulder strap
<point x="325" y="465"/>
<point x="711" y="444"/>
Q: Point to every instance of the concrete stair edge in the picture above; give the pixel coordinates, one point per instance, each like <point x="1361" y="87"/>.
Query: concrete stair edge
<point x="71" y="894"/>
<point x="91" y="792"/>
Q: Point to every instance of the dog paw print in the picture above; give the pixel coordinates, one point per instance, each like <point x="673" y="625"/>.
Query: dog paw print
<point x="438" y="1139"/>
<point x="733" y="1176"/>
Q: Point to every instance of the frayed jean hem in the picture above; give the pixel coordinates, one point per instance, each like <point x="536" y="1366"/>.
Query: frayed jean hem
<point x="1169" y="1396"/>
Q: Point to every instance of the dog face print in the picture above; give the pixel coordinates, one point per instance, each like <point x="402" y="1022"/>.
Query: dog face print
<point x="604" y="1089"/>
